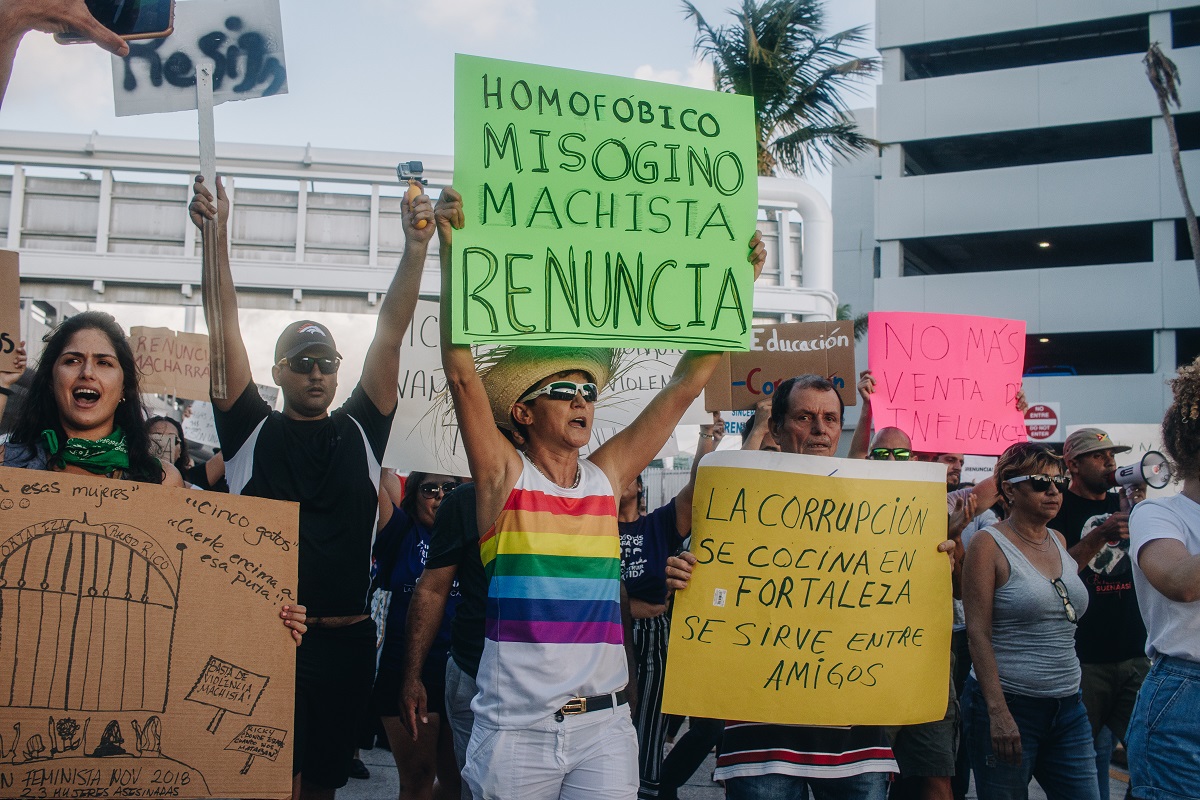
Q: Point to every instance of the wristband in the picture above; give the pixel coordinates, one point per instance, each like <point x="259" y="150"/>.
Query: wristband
<point x="707" y="436"/>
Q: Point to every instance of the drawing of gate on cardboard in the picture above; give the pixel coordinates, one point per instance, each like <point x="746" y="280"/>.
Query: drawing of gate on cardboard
<point x="87" y="617"/>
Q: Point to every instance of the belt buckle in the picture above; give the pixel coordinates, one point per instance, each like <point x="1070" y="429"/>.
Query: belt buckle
<point x="576" y="705"/>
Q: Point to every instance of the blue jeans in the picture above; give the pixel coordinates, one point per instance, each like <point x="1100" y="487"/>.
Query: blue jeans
<point x="1056" y="748"/>
<point x="867" y="786"/>
<point x="1164" y="732"/>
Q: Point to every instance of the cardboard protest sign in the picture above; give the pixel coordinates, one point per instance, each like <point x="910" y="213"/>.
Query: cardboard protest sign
<point x="10" y="309"/>
<point x="819" y="596"/>
<point x="425" y="433"/>
<point x="779" y="352"/>
<point x="131" y="616"/>
<point x="200" y="426"/>
<point x="949" y="381"/>
<point x="171" y="363"/>
<point x="600" y="210"/>
<point x="243" y="39"/>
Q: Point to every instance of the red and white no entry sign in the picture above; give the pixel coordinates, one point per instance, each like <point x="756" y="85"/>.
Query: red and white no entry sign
<point x="1042" y="422"/>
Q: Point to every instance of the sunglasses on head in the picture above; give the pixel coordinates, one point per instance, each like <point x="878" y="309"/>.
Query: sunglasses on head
<point x="303" y="365"/>
<point x="1041" y="483"/>
<point x="897" y="453"/>
<point x="565" y="390"/>
<point x="431" y="490"/>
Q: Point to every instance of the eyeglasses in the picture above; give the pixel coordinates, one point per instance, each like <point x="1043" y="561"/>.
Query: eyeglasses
<point x="1041" y="483"/>
<point x="1061" y="588"/>
<point x="565" y="390"/>
<point x="432" y="490"/>
<point x="302" y="365"/>
<point x="896" y="453"/>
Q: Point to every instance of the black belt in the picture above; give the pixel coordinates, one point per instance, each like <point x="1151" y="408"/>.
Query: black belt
<point x="582" y="705"/>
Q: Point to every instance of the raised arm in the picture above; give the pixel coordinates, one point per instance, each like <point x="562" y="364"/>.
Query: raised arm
<point x="237" y="362"/>
<point x="762" y="423"/>
<point x="493" y="462"/>
<point x="18" y="17"/>
<point x="381" y="368"/>
<point x="860" y="443"/>
<point x="710" y="437"/>
<point x="626" y="454"/>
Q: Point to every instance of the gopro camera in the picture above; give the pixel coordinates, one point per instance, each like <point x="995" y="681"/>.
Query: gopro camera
<point x="411" y="171"/>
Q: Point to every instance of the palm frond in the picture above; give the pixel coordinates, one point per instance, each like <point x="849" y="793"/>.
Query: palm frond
<point x="776" y="52"/>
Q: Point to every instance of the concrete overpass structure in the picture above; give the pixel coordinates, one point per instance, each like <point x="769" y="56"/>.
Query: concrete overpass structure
<point x="104" y="219"/>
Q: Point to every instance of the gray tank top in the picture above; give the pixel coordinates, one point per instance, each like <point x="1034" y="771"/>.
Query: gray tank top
<point x="1033" y="640"/>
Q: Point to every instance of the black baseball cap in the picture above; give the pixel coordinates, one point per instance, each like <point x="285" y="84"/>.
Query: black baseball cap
<point x="305" y="335"/>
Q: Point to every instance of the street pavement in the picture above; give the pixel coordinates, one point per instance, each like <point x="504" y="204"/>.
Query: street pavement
<point x="384" y="784"/>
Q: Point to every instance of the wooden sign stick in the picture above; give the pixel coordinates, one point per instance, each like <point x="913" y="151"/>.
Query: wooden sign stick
<point x="210" y="272"/>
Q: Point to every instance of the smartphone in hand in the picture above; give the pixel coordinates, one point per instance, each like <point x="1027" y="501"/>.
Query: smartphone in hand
<point x="129" y="19"/>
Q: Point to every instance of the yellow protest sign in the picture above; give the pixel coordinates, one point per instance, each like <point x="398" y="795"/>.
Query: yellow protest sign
<point x="819" y="597"/>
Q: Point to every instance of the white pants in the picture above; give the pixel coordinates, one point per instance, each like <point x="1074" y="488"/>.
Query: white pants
<point x="591" y="756"/>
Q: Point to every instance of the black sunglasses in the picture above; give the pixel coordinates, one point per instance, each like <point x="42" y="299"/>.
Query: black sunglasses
<point x="302" y="365"/>
<point x="1061" y="588"/>
<point x="1041" y="483"/>
<point x="897" y="453"/>
<point x="431" y="490"/>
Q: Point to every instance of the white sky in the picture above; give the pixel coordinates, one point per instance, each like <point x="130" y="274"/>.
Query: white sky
<point x="378" y="75"/>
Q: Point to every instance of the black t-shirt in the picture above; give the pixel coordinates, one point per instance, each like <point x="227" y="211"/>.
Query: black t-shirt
<point x="1112" y="629"/>
<point x="197" y="475"/>
<point x="331" y="468"/>
<point x="455" y="543"/>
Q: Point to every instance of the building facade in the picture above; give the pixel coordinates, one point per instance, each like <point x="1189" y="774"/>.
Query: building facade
<point x="1026" y="174"/>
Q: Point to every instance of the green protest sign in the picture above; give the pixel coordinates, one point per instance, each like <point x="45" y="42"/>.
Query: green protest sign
<point x="601" y="210"/>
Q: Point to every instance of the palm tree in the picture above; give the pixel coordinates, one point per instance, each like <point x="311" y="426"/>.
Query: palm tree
<point x="776" y="53"/>
<point x="1164" y="77"/>
<point x="844" y="312"/>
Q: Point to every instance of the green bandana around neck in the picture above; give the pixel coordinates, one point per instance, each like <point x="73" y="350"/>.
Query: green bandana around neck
<point x="101" y="456"/>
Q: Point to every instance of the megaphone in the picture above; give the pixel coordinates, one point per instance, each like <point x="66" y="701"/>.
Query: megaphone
<point x="1153" y="470"/>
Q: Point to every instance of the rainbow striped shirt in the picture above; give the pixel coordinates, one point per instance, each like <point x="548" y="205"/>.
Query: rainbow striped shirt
<point x="553" y="620"/>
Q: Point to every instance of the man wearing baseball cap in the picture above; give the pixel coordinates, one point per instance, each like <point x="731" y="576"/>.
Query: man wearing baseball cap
<point x="1111" y="638"/>
<point x="328" y="462"/>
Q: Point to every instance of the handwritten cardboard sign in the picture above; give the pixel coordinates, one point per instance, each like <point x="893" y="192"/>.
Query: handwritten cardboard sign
<point x="601" y="211"/>
<point x="171" y="363"/>
<point x="819" y="596"/>
<point x="425" y="433"/>
<point x="949" y="381"/>
<point x="779" y="352"/>
<point x="132" y="613"/>
<point x="243" y="39"/>
<point x="10" y="309"/>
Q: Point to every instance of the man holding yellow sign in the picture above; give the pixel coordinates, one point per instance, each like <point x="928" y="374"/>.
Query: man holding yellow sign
<point x="820" y="589"/>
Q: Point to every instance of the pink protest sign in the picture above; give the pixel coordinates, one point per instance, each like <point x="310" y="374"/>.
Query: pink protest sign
<point x="949" y="381"/>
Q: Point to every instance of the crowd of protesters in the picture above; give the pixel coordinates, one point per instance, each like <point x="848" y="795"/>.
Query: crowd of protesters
<point x="509" y="628"/>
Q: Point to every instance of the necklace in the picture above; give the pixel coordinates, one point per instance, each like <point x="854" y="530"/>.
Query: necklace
<point x="575" y="485"/>
<point x="1043" y="545"/>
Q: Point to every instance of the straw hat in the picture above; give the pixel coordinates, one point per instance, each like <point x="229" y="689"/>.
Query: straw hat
<point x="508" y="371"/>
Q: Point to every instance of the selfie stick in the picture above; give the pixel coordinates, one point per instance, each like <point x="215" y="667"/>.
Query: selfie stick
<point x="210" y="276"/>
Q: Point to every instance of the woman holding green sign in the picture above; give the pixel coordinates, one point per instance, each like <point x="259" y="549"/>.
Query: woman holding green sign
<point x="552" y="716"/>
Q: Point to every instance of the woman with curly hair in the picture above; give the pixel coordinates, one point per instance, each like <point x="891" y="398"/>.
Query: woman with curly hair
<point x="1164" y="543"/>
